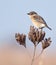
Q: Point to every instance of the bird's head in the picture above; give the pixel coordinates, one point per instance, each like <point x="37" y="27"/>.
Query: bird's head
<point x="32" y="13"/>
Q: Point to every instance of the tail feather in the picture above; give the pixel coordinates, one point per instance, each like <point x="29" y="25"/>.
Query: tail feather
<point x="49" y="28"/>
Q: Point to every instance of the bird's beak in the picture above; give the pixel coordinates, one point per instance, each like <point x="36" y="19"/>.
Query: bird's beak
<point x="28" y="13"/>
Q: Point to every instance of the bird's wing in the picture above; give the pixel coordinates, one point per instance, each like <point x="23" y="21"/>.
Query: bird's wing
<point x="40" y="19"/>
<point x="43" y="21"/>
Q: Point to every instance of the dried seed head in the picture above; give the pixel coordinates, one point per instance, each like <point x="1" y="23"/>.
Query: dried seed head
<point x="46" y="43"/>
<point x="32" y="35"/>
<point x="41" y="36"/>
<point x="18" y="37"/>
<point x="21" y="39"/>
<point x="32" y="29"/>
<point x="35" y="35"/>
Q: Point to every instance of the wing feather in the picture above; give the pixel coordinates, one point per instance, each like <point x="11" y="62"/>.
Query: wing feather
<point x="40" y="19"/>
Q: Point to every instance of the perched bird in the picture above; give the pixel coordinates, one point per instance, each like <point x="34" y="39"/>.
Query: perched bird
<point x="37" y="20"/>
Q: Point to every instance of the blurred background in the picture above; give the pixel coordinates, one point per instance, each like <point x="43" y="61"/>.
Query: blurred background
<point x="14" y="19"/>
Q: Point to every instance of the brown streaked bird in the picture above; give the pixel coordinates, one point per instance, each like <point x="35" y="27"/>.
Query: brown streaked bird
<point x="37" y="20"/>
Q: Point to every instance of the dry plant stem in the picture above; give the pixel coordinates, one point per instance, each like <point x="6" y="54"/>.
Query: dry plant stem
<point x="39" y="54"/>
<point x="33" y="55"/>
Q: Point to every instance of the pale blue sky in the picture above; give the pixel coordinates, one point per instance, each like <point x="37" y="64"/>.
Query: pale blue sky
<point x="14" y="18"/>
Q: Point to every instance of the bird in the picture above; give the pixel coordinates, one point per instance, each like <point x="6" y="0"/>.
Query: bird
<point x="37" y="20"/>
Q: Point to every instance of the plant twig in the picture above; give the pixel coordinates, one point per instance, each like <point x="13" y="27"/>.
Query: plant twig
<point x="33" y="55"/>
<point x="39" y="54"/>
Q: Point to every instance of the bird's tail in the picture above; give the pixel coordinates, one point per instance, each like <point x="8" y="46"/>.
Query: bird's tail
<point x="49" y="28"/>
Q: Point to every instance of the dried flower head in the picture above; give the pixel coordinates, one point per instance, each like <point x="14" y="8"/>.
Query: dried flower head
<point x="21" y="39"/>
<point x="40" y="35"/>
<point x="36" y="35"/>
<point x="32" y="35"/>
<point x="18" y="37"/>
<point x="46" y="42"/>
